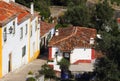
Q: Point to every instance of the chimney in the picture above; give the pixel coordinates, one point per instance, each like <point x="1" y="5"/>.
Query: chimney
<point x="56" y="32"/>
<point x="32" y="8"/>
<point x="92" y="41"/>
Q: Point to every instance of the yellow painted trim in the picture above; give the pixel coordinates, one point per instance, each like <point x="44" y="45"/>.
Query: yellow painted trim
<point x="36" y="54"/>
<point x="1" y="52"/>
<point x="37" y="38"/>
<point x="29" y="41"/>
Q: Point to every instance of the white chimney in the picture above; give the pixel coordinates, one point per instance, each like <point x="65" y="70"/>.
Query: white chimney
<point x="56" y="32"/>
<point x="92" y="41"/>
<point x="32" y="8"/>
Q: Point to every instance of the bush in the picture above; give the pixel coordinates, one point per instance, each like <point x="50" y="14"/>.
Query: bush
<point x="50" y="61"/>
<point x="30" y="72"/>
<point x="31" y="79"/>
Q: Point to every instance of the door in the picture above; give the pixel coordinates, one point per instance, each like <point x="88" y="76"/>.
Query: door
<point x="66" y="55"/>
<point x="10" y="62"/>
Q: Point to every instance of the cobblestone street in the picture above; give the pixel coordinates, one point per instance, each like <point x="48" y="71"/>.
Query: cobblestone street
<point x="21" y="73"/>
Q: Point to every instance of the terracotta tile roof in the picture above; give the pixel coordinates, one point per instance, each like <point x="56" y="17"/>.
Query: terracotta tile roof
<point x="45" y="27"/>
<point x="73" y="37"/>
<point x="7" y="10"/>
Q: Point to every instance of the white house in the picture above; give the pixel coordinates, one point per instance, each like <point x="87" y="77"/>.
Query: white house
<point x="73" y="43"/>
<point x="19" y="35"/>
<point x="46" y="33"/>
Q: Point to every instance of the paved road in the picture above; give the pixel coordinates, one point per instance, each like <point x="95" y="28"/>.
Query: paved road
<point x="56" y="11"/>
<point x="21" y="73"/>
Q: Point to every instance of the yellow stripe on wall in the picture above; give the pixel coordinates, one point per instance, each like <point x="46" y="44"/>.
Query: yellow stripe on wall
<point x="29" y="41"/>
<point x="36" y="54"/>
<point x="0" y="52"/>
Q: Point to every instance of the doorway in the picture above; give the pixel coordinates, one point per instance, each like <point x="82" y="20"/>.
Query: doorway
<point x="10" y="62"/>
<point x="66" y="55"/>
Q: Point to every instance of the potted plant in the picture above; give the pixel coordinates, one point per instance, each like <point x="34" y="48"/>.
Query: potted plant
<point x="30" y="76"/>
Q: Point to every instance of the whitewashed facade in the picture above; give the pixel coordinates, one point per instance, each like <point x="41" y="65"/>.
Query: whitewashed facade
<point x="21" y="45"/>
<point x="76" y="55"/>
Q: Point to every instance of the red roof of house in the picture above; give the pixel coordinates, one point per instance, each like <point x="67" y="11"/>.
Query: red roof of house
<point x="8" y="10"/>
<point x="45" y="27"/>
<point x="73" y="37"/>
<point x="118" y="20"/>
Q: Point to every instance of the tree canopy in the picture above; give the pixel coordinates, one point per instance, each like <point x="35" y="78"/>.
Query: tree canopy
<point x="67" y="2"/>
<point x="64" y="64"/>
<point x="47" y="71"/>
<point x="78" y="16"/>
<point x="107" y="67"/>
<point x="102" y="16"/>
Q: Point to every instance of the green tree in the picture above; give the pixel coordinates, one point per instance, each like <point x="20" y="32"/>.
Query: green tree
<point x="31" y="79"/>
<point x="67" y="2"/>
<point x="47" y="71"/>
<point x="107" y="67"/>
<point x="64" y="64"/>
<point x="117" y="1"/>
<point x="77" y="2"/>
<point x="60" y="2"/>
<point x="102" y="15"/>
<point x="78" y="16"/>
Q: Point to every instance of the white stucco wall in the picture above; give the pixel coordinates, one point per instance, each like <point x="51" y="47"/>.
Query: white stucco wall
<point x="23" y="41"/>
<point x="59" y="55"/>
<point x="14" y="44"/>
<point x="35" y="37"/>
<point x="80" y="54"/>
<point x="8" y="47"/>
<point x="52" y="31"/>
<point x="54" y="49"/>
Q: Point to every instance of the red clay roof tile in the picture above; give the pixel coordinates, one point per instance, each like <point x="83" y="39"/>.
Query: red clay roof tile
<point x="45" y="27"/>
<point x="73" y="37"/>
<point x="8" y="10"/>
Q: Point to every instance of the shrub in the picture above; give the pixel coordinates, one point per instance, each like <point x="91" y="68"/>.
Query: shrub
<point x="31" y="79"/>
<point x="30" y="72"/>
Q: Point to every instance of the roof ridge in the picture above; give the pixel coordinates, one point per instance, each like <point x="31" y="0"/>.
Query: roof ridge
<point x="73" y="33"/>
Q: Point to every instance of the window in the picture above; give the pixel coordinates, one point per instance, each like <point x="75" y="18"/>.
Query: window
<point x="14" y="27"/>
<point x="26" y="29"/>
<point x="23" y="51"/>
<point x="5" y="34"/>
<point x="21" y="33"/>
<point x="66" y="54"/>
